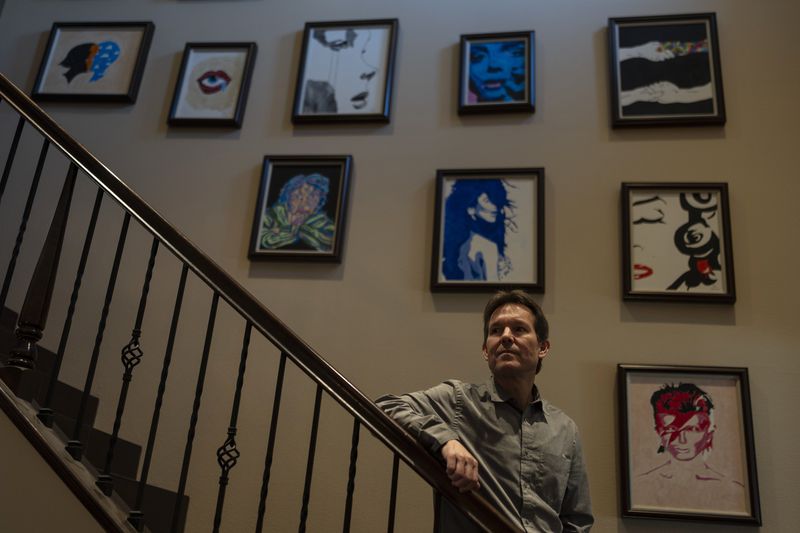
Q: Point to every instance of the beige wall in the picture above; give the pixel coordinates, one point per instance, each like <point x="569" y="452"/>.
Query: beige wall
<point x="373" y="316"/>
<point x="35" y="487"/>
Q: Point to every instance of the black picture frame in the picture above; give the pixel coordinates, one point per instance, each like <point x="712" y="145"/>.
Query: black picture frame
<point x="497" y="73"/>
<point x="312" y="232"/>
<point x="355" y="70"/>
<point x="676" y="243"/>
<point x="200" y="97"/>
<point x="93" y="62"/>
<point x="665" y="71"/>
<point x="488" y="231"/>
<point x="687" y="450"/>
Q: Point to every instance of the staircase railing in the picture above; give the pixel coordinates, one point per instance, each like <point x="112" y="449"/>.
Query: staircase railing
<point x="256" y="319"/>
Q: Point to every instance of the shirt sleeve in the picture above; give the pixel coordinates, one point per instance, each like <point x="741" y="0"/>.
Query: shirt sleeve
<point x="429" y="415"/>
<point x="576" y="508"/>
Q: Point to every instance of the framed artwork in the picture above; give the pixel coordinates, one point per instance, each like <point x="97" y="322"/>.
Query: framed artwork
<point x="301" y="208"/>
<point x="93" y="61"/>
<point x="686" y="435"/>
<point x="345" y="72"/>
<point x="488" y="230"/>
<point x="665" y="71"/>
<point x="676" y="242"/>
<point x="212" y="85"/>
<point x="496" y="73"/>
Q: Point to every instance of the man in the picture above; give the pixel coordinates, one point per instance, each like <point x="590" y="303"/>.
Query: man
<point x="684" y="422"/>
<point x="501" y="438"/>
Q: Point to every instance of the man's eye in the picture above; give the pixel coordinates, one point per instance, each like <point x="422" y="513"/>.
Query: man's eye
<point x="520" y="330"/>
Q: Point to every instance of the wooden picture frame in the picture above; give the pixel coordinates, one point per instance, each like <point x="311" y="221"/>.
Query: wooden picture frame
<point x="213" y="84"/>
<point x="665" y="71"/>
<point x="488" y="230"/>
<point x="301" y="208"/>
<point x="346" y="72"/>
<point x="93" y="62"/>
<point x="496" y="73"/>
<point x="676" y="243"/>
<point x="687" y="449"/>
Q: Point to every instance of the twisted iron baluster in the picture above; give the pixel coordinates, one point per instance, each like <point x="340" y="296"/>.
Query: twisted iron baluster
<point x="12" y="152"/>
<point x="201" y="377"/>
<point x="24" y="224"/>
<point x="351" y="479"/>
<point x="393" y="496"/>
<point x="74" y="445"/>
<point x="131" y="356"/>
<point x="46" y="413"/>
<point x="136" y="516"/>
<point x="312" y="445"/>
<point x="228" y="454"/>
<point x="273" y="425"/>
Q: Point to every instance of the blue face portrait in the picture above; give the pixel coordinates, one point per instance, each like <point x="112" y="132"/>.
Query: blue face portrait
<point x="497" y="71"/>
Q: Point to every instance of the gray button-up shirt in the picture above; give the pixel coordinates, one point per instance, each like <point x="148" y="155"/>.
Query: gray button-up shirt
<point x="530" y="464"/>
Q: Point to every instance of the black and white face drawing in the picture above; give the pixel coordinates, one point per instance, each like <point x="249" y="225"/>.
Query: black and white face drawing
<point x="675" y="242"/>
<point x="344" y="71"/>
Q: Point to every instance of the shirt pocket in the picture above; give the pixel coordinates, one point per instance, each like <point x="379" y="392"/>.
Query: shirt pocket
<point x="551" y="482"/>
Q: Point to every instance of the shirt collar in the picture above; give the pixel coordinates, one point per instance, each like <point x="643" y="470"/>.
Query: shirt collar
<point x="499" y="395"/>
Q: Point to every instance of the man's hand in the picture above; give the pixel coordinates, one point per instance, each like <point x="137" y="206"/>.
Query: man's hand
<point x="462" y="468"/>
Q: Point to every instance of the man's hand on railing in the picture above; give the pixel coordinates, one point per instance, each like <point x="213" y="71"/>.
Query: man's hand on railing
<point x="462" y="467"/>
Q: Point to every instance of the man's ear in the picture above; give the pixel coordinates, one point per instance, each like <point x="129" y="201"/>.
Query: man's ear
<point x="485" y="352"/>
<point x="544" y="349"/>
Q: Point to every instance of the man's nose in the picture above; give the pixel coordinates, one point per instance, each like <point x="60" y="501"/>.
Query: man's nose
<point x="507" y="335"/>
<point x="682" y="437"/>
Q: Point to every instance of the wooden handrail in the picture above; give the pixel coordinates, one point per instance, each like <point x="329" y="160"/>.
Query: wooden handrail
<point x="313" y="364"/>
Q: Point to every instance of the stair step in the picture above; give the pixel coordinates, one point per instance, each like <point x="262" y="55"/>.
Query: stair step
<point x="95" y="446"/>
<point x="157" y="505"/>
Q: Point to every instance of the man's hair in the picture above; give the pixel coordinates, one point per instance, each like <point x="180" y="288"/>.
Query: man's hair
<point x="683" y="398"/>
<point x="518" y="297"/>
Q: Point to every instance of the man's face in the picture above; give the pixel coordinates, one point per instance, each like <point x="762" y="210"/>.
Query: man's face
<point x="687" y="440"/>
<point x="302" y="203"/>
<point x="511" y="347"/>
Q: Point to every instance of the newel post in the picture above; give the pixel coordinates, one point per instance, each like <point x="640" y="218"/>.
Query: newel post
<point x="33" y="315"/>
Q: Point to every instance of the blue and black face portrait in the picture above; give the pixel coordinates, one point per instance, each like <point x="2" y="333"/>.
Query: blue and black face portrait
<point x="497" y="71"/>
<point x="94" y="57"/>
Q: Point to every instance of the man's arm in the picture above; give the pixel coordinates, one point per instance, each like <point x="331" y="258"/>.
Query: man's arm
<point x="576" y="508"/>
<point x="430" y="416"/>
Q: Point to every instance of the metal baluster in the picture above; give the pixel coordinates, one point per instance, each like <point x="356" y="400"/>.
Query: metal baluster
<point x="74" y="445"/>
<point x="24" y="224"/>
<point x="136" y="516"/>
<point x="437" y="506"/>
<point x="201" y="377"/>
<point x="227" y="454"/>
<point x="12" y="152"/>
<point x="312" y="445"/>
<point x="131" y="356"/>
<point x="35" y="308"/>
<point x="393" y="496"/>
<point x="273" y="425"/>
<point x="351" y="480"/>
<point x="46" y="413"/>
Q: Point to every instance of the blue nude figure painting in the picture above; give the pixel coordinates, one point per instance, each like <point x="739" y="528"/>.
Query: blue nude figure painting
<point x="488" y="230"/>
